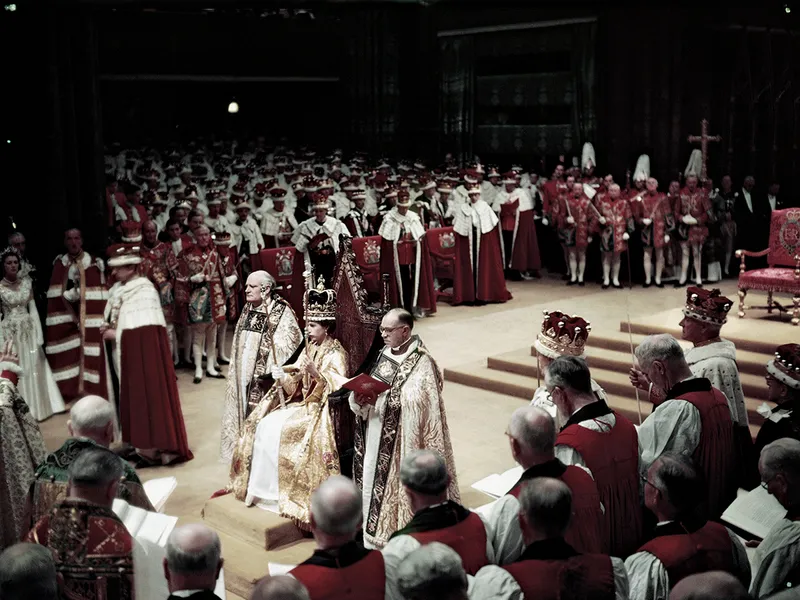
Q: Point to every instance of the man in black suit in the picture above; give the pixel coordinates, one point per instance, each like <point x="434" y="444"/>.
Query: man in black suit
<point x="193" y="562"/>
<point x="751" y="213"/>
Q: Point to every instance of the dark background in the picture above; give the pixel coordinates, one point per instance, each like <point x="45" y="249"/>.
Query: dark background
<point x="394" y="78"/>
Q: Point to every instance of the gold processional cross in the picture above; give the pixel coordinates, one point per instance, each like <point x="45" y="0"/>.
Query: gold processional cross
<point x="704" y="138"/>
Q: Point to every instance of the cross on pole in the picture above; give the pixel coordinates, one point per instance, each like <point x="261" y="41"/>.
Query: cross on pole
<point x="704" y="138"/>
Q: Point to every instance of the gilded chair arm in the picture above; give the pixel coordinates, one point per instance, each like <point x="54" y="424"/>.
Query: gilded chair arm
<point x="797" y="267"/>
<point x="740" y="254"/>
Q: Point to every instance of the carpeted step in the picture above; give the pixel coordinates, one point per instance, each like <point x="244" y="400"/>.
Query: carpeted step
<point x="260" y="528"/>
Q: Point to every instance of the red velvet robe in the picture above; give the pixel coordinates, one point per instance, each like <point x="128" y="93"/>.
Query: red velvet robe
<point x="613" y="459"/>
<point x="426" y="296"/>
<point x="74" y="346"/>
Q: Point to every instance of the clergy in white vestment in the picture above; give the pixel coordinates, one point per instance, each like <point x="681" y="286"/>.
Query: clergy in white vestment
<point x="266" y="335"/>
<point x="287" y="447"/>
<point x="776" y="565"/>
<point x="408" y="416"/>
<point x="684" y="542"/>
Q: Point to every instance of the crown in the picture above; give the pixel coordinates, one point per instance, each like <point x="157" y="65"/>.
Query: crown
<point x="785" y="367"/>
<point x="221" y="238"/>
<point x="707" y="305"/>
<point x="320" y="303"/>
<point x="131" y="231"/>
<point x="562" y="335"/>
<point x="120" y="255"/>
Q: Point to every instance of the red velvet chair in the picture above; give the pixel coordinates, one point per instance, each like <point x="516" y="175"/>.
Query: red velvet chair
<point x="442" y="246"/>
<point x="782" y="274"/>
<point x="368" y="258"/>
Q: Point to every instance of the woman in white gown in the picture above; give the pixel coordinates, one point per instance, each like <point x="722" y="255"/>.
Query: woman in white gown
<point x="20" y="323"/>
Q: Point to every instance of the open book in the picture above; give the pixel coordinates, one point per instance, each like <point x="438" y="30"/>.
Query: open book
<point x="159" y="490"/>
<point x="754" y="512"/>
<point x="498" y="485"/>
<point x="150" y="531"/>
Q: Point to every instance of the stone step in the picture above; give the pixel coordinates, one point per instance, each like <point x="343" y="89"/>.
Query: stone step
<point x="748" y="361"/>
<point x="260" y="528"/>
<point x="245" y="563"/>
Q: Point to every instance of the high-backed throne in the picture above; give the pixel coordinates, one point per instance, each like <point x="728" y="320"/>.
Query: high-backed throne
<point x="782" y="274"/>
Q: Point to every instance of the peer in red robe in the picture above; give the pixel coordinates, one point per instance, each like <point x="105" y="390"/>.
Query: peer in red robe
<point x="75" y="301"/>
<point x="406" y="259"/>
<point x="514" y="206"/>
<point x="149" y="406"/>
<point x="160" y="265"/>
<point x="478" y="274"/>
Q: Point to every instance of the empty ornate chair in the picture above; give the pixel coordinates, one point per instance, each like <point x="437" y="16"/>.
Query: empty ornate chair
<point x="782" y="274"/>
<point x="442" y="246"/>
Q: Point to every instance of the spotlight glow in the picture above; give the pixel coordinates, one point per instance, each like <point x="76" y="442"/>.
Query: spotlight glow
<point x="233" y="107"/>
<point x="787" y="8"/>
<point x="10" y="7"/>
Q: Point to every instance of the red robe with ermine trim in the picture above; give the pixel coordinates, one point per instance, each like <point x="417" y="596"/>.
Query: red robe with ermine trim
<point x="74" y="346"/>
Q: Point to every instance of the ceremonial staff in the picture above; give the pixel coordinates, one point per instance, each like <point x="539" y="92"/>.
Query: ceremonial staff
<point x="630" y="333"/>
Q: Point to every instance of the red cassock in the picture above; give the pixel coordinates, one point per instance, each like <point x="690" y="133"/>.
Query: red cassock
<point x="585" y="530"/>
<point x="613" y="458"/>
<point x="352" y="573"/>
<point x="585" y="576"/>
<point x="149" y="405"/>
<point x="687" y="552"/>
<point x="717" y="450"/>
<point x="517" y="216"/>
<point x="693" y="203"/>
<point x="478" y="275"/>
<point x="74" y="346"/>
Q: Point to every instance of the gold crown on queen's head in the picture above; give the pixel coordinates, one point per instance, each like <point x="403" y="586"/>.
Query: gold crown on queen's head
<point x="562" y="335"/>
<point x="320" y="303"/>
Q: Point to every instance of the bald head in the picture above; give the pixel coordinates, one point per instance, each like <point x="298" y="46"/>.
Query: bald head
<point x="710" y="585"/>
<point x="425" y="472"/>
<point x="261" y="278"/>
<point x="280" y="587"/>
<point x="194" y="558"/>
<point x="336" y="508"/>
<point x="92" y="417"/>
<point x="534" y="430"/>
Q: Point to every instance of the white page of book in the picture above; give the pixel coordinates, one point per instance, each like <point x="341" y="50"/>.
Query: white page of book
<point x="756" y="512"/>
<point x="498" y="485"/>
<point x="159" y="490"/>
<point x="279" y="568"/>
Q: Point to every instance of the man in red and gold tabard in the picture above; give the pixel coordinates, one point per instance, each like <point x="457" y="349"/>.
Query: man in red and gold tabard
<point x="616" y="226"/>
<point x="75" y="301"/>
<point x="600" y="440"/>
<point x="160" y="266"/>
<point x="278" y="224"/>
<point x="684" y="542"/>
<point x="694" y="419"/>
<point x="552" y="190"/>
<point x="575" y="218"/>
<point x="406" y="259"/>
<point x="201" y="288"/>
<point x="150" y="413"/>
<point x="550" y="567"/>
<point x="92" y="549"/>
<point x="515" y="207"/>
<point x="479" y="257"/>
<point x="532" y="435"/>
<point x="425" y="479"/>
<point x="691" y="215"/>
<point x="340" y="567"/>
<point x="654" y="214"/>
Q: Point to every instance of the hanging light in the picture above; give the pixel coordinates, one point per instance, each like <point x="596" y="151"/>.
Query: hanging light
<point x="233" y="107"/>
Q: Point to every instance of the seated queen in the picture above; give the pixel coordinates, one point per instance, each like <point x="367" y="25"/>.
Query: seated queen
<point x="287" y="448"/>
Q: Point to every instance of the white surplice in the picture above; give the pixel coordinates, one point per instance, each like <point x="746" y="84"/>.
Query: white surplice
<point x="717" y="363"/>
<point x="776" y="556"/>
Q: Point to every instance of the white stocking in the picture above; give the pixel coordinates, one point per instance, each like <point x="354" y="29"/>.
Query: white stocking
<point x="606" y="267"/>
<point x="659" y="264"/>
<point x="616" y="264"/>
<point x="684" y="262"/>
<point x="697" y="256"/>
<point x="573" y="265"/>
<point x="581" y="264"/>
<point x="648" y="266"/>
<point x="198" y="340"/>
<point x="211" y="350"/>
<point x="222" y="334"/>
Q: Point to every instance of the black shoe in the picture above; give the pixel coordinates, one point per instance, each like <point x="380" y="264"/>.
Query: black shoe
<point x="678" y="284"/>
<point x="605" y="286"/>
<point x="217" y="376"/>
<point x="184" y="365"/>
<point x="570" y="282"/>
<point x="223" y="362"/>
<point x="645" y="285"/>
<point x="197" y="380"/>
<point x="580" y="284"/>
<point x="617" y="285"/>
<point x="660" y="285"/>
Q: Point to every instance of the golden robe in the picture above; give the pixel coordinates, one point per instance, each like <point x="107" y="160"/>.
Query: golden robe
<point x="408" y="417"/>
<point x="251" y="358"/>
<point x="307" y="454"/>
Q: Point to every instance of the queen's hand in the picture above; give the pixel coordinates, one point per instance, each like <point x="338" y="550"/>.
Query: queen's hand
<point x="8" y="354"/>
